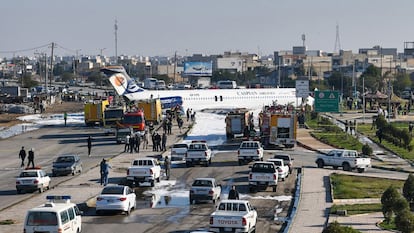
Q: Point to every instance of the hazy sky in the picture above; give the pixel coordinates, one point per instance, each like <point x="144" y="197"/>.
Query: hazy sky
<point x="162" y="27"/>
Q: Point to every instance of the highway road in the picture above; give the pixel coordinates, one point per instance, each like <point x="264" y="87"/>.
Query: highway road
<point x="164" y="208"/>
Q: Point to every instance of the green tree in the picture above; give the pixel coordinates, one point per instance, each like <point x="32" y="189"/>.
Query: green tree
<point x="28" y="82"/>
<point x="66" y="77"/>
<point x="388" y="199"/>
<point x="404" y="221"/>
<point x="373" y="78"/>
<point x="401" y="81"/>
<point x="408" y="188"/>
<point x="335" y="227"/>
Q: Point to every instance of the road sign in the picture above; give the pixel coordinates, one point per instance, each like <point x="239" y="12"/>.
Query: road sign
<point x="302" y="88"/>
<point x="327" y="101"/>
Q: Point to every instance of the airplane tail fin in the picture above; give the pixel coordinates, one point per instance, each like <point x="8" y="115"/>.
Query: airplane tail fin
<point x="121" y="81"/>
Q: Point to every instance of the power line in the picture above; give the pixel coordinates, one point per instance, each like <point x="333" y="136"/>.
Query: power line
<point x="25" y="50"/>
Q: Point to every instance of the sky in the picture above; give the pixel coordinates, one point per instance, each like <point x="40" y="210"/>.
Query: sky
<point x="185" y="27"/>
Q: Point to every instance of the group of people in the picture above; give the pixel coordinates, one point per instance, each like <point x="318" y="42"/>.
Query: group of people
<point x="132" y="143"/>
<point x="104" y="170"/>
<point x="351" y="126"/>
<point x="159" y="143"/>
<point x="30" y="157"/>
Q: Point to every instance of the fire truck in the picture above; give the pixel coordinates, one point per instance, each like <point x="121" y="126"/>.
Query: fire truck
<point x="236" y="122"/>
<point x="134" y="119"/>
<point x="278" y="128"/>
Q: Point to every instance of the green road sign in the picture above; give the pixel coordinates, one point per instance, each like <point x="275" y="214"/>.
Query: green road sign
<point x="327" y="101"/>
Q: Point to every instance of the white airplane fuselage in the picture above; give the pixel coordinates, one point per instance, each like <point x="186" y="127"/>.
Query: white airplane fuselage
<point x="198" y="99"/>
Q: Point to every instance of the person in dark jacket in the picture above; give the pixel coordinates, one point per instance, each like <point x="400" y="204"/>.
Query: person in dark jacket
<point x="31" y="158"/>
<point x="105" y="169"/>
<point x="89" y="141"/>
<point x="164" y="142"/>
<point x="157" y="142"/>
<point x="137" y="142"/>
<point x="22" y="156"/>
<point x="102" y="167"/>
<point x="233" y="194"/>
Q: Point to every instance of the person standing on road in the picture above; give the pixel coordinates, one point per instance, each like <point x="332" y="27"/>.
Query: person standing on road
<point x="164" y="142"/>
<point x="131" y="143"/>
<point x="137" y="142"/>
<point x="31" y="158"/>
<point x="127" y="141"/>
<point x="89" y="141"/>
<point x="101" y="165"/>
<point x="105" y="169"/>
<point x="22" y="156"/>
<point x="145" y="140"/>
<point x="233" y="194"/>
<point x="65" y="117"/>
<point x="167" y="165"/>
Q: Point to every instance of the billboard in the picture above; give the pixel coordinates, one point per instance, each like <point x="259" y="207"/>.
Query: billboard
<point x="198" y="69"/>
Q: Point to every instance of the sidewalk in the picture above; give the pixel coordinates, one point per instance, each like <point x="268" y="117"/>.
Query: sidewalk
<point x="85" y="187"/>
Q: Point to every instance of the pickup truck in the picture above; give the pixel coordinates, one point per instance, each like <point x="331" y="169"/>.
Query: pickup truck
<point x="205" y="189"/>
<point x="144" y="170"/>
<point x="347" y="159"/>
<point x="263" y="175"/>
<point x="287" y="159"/>
<point x="233" y="216"/>
<point x="178" y="151"/>
<point x="250" y="151"/>
<point x="282" y="169"/>
<point x="198" y="153"/>
<point x="32" y="180"/>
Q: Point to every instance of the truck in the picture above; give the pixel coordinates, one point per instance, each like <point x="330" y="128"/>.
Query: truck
<point x="32" y="180"/>
<point x="347" y="159"/>
<point x="205" y="189"/>
<point x="144" y="170"/>
<point x="134" y="119"/>
<point x="152" y="110"/>
<point x="178" y="151"/>
<point x="233" y="216"/>
<point x="263" y="175"/>
<point x="94" y="110"/>
<point x="121" y="133"/>
<point x="112" y="117"/>
<point x="278" y="129"/>
<point x="282" y="168"/>
<point x="198" y="152"/>
<point x="236" y="122"/>
<point x="250" y="151"/>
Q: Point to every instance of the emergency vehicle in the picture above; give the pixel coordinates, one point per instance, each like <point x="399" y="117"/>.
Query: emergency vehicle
<point x="56" y="215"/>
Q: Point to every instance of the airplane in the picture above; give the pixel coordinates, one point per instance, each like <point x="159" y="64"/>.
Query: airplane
<point x="199" y="99"/>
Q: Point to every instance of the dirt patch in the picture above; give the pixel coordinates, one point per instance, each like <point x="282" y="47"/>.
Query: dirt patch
<point x="10" y="119"/>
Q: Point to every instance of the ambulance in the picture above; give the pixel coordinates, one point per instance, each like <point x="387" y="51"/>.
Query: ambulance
<point x="57" y="215"/>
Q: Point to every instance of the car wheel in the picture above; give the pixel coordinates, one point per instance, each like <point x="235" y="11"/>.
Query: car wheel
<point x="274" y="188"/>
<point x="128" y="212"/>
<point x="152" y="183"/>
<point x="346" y="167"/>
<point x="320" y="163"/>
<point x="19" y="191"/>
<point x="158" y="179"/>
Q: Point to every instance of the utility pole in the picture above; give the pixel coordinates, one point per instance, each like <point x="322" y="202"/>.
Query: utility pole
<point x="51" y="65"/>
<point x="175" y="64"/>
<point x="116" y="41"/>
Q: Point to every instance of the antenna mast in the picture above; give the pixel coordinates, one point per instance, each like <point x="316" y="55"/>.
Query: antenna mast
<point x="337" y="40"/>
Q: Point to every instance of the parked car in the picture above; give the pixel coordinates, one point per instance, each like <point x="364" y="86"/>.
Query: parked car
<point x="205" y="189"/>
<point x="67" y="164"/>
<point x="116" y="198"/>
<point x="178" y="151"/>
<point x="32" y="180"/>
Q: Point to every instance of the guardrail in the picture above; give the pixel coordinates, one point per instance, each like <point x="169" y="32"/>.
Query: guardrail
<point x="296" y="199"/>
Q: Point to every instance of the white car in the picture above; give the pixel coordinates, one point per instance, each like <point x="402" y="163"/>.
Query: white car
<point x="116" y="198"/>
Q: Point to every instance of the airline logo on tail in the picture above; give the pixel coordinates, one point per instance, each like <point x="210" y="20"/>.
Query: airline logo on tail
<point x="124" y="85"/>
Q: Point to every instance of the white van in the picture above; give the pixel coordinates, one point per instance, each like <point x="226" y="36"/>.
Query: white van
<point x="57" y="215"/>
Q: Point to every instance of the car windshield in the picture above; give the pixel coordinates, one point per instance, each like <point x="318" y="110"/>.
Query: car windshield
<point x="205" y="183"/>
<point x="180" y="146"/>
<point x="65" y="159"/>
<point x="42" y="219"/>
<point x="28" y="174"/>
<point x="113" y="190"/>
<point x="263" y="167"/>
